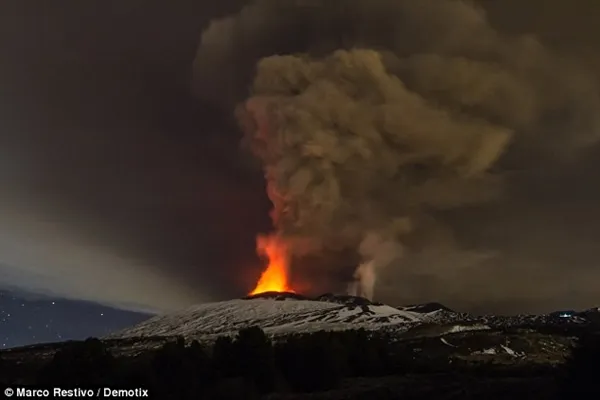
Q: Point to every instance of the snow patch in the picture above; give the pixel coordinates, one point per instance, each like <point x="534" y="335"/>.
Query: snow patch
<point x="491" y="351"/>
<point x="466" y="328"/>
<point x="511" y="351"/>
<point x="446" y="343"/>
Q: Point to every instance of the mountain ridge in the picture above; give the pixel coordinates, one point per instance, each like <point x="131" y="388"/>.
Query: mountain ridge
<point x="285" y="313"/>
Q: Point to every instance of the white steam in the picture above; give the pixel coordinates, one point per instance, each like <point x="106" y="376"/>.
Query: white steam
<point x="377" y="253"/>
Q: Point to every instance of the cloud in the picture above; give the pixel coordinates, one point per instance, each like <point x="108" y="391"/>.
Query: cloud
<point x="114" y="185"/>
<point x="44" y="257"/>
<point x="367" y="113"/>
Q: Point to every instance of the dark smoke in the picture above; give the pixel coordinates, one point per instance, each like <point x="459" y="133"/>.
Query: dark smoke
<point x="348" y="149"/>
<point x="376" y="120"/>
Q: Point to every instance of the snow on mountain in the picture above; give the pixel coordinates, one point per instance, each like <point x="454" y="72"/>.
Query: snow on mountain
<point x="288" y="313"/>
<point x="276" y="314"/>
<point x="426" y="308"/>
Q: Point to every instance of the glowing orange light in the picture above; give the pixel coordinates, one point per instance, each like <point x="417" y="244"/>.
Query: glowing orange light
<point x="275" y="278"/>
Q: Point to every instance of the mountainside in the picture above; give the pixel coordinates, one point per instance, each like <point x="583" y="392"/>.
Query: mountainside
<point x="288" y="313"/>
<point x="428" y="337"/>
<point x="276" y="313"/>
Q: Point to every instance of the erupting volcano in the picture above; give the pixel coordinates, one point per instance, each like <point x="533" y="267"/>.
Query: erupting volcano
<point x="276" y="277"/>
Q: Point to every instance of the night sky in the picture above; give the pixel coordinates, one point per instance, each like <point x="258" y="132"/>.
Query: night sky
<point x="27" y="319"/>
<point x="123" y="181"/>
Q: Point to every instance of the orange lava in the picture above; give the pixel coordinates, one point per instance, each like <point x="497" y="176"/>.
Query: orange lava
<point x="275" y="278"/>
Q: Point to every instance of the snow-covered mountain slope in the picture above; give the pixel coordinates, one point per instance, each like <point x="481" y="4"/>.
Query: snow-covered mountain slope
<point x="288" y="313"/>
<point x="276" y="314"/>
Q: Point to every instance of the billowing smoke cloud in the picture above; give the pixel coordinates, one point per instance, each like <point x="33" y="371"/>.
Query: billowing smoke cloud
<point x="349" y="149"/>
<point x="379" y="119"/>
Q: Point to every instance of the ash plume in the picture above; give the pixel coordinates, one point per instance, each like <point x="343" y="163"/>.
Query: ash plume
<point x="372" y="118"/>
<point x="349" y="149"/>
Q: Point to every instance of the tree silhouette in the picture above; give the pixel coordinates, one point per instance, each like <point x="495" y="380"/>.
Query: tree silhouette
<point x="80" y="363"/>
<point x="255" y="358"/>
<point x="223" y="358"/>
<point x="581" y="369"/>
<point x="181" y="372"/>
<point x="312" y="362"/>
<point x="198" y="360"/>
<point x="364" y="353"/>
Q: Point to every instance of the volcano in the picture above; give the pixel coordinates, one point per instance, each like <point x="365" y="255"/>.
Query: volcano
<point x="278" y="313"/>
<point x="285" y="313"/>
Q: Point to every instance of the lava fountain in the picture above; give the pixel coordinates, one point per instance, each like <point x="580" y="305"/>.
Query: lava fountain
<point x="276" y="277"/>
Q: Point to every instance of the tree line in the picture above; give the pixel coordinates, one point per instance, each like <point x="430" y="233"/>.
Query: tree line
<point x="251" y="365"/>
<point x="248" y="365"/>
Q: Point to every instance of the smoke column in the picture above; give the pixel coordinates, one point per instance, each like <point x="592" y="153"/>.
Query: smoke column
<point x="336" y="134"/>
<point x="376" y="254"/>
<point x="370" y="117"/>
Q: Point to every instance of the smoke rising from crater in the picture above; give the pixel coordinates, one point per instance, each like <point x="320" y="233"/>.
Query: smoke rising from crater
<point x="372" y="117"/>
<point x="348" y="149"/>
<point x="376" y="253"/>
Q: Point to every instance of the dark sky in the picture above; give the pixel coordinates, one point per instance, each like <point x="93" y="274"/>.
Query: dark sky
<point x="119" y="185"/>
<point x="28" y="319"/>
<point x="105" y="147"/>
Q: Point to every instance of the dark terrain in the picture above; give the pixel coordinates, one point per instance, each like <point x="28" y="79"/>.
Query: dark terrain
<point x="437" y="361"/>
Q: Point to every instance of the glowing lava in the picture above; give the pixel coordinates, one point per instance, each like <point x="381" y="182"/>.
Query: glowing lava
<point x="275" y="277"/>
